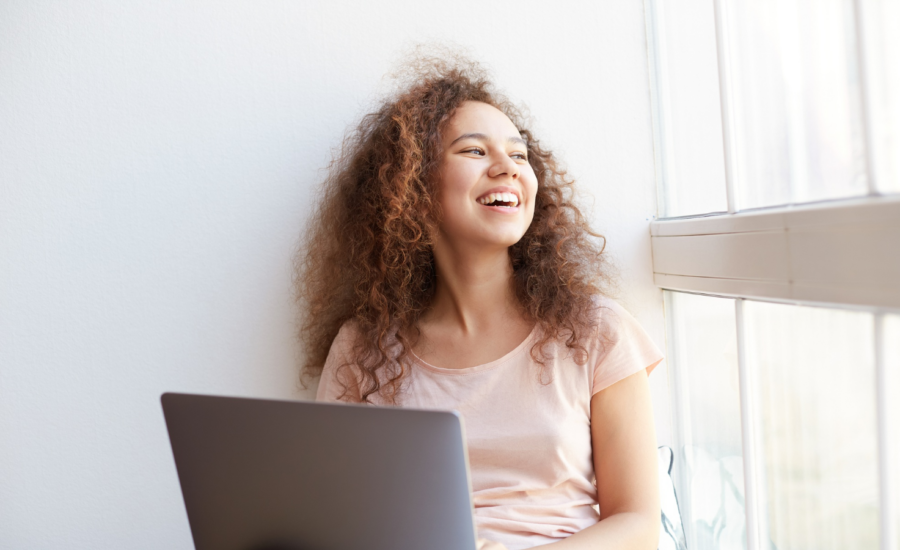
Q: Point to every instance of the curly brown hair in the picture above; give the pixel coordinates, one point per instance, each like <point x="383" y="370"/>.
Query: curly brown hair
<point x="367" y="254"/>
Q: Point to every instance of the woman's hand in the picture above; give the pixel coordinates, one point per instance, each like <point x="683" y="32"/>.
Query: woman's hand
<point x="485" y="544"/>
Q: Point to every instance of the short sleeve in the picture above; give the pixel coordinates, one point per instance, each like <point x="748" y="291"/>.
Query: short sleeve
<point x="336" y="383"/>
<point x="625" y="347"/>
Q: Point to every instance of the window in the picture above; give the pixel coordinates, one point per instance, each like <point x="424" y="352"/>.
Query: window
<point x="688" y="110"/>
<point x="797" y="121"/>
<point x="777" y="133"/>
<point x="888" y="360"/>
<point x="708" y="469"/>
<point x="815" y="380"/>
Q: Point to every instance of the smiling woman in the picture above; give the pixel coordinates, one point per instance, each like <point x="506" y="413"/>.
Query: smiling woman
<point x="369" y="250"/>
<point x="487" y="187"/>
<point x="448" y="267"/>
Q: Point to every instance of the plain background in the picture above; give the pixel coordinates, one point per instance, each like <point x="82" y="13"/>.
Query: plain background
<point x="157" y="163"/>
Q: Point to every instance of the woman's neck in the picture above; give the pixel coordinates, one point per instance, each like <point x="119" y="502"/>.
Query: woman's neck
<point x="474" y="290"/>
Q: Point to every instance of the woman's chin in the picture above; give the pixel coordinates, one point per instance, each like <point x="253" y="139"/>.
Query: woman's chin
<point x="504" y="242"/>
<point x="486" y="240"/>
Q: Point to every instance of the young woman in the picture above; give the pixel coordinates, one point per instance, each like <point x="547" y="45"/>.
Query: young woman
<point x="447" y="267"/>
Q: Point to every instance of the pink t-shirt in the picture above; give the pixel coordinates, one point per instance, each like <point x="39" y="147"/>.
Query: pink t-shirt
<point x="529" y="442"/>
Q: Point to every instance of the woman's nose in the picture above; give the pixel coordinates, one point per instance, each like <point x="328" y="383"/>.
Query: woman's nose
<point x="504" y="165"/>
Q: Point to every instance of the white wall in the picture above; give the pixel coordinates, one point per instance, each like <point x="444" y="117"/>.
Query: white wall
<point x="156" y="166"/>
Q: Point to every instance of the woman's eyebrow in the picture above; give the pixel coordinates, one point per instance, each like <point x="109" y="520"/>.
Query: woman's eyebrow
<point x="484" y="137"/>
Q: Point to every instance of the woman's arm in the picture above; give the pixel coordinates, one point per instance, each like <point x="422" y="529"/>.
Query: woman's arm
<point x="624" y="445"/>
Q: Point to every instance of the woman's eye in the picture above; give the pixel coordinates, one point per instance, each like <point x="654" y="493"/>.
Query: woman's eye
<point x="521" y="156"/>
<point x="475" y="151"/>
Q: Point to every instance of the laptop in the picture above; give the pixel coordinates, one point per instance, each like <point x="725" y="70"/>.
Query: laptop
<point x="261" y="474"/>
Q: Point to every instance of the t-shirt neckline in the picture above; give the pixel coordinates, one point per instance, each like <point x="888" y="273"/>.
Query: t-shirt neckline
<point x="477" y="368"/>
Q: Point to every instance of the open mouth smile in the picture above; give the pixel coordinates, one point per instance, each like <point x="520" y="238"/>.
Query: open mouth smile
<point x="504" y="201"/>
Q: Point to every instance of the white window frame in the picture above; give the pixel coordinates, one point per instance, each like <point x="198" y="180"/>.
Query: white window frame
<point x="843" y="253"/>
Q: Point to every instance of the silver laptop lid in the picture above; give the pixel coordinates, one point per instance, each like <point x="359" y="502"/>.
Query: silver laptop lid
<point x="261" y="474"/>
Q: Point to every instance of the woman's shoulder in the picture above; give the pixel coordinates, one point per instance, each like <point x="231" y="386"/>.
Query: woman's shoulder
<point x="624" y="346"/>
<point x="352" y="336"/>
<point x="347" y="335"/>
<point x="339" y="379"/>
<point x="609" y="316"/>
<point x="601" y="303"/>
<point x="614" y="326"/>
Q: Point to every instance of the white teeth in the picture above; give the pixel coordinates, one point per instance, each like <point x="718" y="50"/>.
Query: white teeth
<point x="501" y="197"/>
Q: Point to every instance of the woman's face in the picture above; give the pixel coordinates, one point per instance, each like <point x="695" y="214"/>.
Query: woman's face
<point x="486" y="185"/>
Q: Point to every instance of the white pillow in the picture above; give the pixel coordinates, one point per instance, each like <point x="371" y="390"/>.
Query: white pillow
<point x="671" y="533"/>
